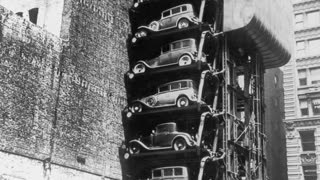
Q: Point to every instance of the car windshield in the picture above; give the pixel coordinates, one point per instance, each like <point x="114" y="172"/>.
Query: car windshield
<point x="165" y="128"/>
<point x="164" y="88"/>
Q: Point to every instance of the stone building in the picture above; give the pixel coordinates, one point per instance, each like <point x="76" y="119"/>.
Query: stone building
<point x="302" y="94"/>
<point x="61" y="88"/>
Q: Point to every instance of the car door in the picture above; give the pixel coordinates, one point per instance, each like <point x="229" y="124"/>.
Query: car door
<point x="165" y="19"/>
<point x="166" y="54"/>
<point x="175" y="15"/>
<point x="163" y="95"/>
<point x="162" y="136"/>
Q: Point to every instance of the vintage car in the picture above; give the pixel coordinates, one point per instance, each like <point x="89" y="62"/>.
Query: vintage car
<point x="177" y="93"/>
<point x="170" y="172"/>
<point x="182" y="53"/>
<point x="165" y="136"/>
<point x="181" y="16"/>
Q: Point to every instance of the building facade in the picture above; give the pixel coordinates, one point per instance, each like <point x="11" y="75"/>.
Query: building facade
<point x="302" y="94"/>
<point x="62" y="88"/>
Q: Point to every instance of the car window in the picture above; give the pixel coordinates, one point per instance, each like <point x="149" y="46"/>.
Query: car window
<point x="176" y="45"/>
<point x="166" y="13"/>
<point x="168" y="172"/>
<point x="164" y="88"/>
<point x="175" y="10"/>
<point x="184" y="8"/>
<point x="175" y="86"/>
<point x="165" y="48"/>
<point x="157" y="173"/>
<point x="184" y="84"/>
<point x="178" y="171"/>
<point x="186" y="43"/>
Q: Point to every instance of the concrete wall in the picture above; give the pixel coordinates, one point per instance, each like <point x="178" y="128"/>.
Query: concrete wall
<point x="274" y="126"/>
<point x="61" y="100"/>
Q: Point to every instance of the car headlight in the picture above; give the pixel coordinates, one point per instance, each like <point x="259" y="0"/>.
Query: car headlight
<point x="141" y="34"/>
<point x="151" y="101"/>
<point x="136" y="107"/>
<point x="139" y="68"/>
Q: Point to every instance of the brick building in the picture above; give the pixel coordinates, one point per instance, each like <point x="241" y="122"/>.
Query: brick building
<point x="61" y="86"/>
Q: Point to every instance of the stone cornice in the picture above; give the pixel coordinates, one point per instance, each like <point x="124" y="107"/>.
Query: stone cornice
<point x="307" y="32"/>
<point x="309" y="61"/>
<point x="302" y="122"/>
<point x="306" y="5"/>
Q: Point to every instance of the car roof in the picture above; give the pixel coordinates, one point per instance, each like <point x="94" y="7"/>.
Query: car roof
<point x="166" y="123"/>
<point x="176" y="82"/>
<point x="187" y="4"/>
<point x="169" y="167"/>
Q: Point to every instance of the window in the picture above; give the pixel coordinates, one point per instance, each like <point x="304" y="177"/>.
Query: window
<point x="302" y="77"/>
<point x="307" y="140"/>
<point x="300" y="48"/>
<point x="316" y="106"/>
<point x="315" y="75"/>
<point x="175" y="86"/>
<point x="186" y="43"/>
<point x="184" y="84"/>
<point x="184" y="8"/>
<point x="178" y="171"/>
<point x="33" y="15"/>
<point x="314" y="46"/>
<point x="164" y="88"/>
<point x="176" y="45"/>
<point x="176" y="10"/>
<point x="166" y="14"/>
<point x="304" y="108"/>
<point x="168" y="172"/>
<point x="310" y="172"/>
<point x="299" y="21"/>
<point x="313" y="19"/>
<point x="19" y="14"/>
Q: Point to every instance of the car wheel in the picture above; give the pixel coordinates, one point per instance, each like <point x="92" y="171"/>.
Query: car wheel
<point x="136" y="107"/>
<point x="183" y="23"/>
<point x="185" y="60"/>
<point x="179" y="144"/>
<point x="182" y="101"/>
<point x="134" y="148"/>
<point x="139" y="68"/>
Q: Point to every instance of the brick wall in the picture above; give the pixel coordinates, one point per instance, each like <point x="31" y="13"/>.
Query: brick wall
<point x="62" y="99"/>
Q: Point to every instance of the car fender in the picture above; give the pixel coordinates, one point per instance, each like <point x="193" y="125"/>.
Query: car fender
<point x="189" y="19"/>
<point x="140" y="143"/>
<point x="145" y="28"/>
<point x="188" y="140"/>
<point x="143" y="62"/>
<point x="187" y="53"/>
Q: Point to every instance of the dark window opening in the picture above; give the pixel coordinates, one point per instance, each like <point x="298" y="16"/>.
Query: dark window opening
<point x="307" y="140"/>
<point x="33" y="15"/>
<point x="19" y="14"/>
<point x="81" y="160"/>
<point x="310" y="172"/>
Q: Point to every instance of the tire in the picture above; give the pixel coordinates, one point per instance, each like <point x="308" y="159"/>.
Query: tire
<point x="139" y="68"/>
<point x="183" y="23"/>
<point x="185" y="60"/>
<point x="183" y="101"/>
<point x="179" y="144"/>
<point x="134" y="148"/>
